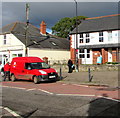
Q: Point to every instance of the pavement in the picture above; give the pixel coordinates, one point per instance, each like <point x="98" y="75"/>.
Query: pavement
<point x="99" y="78"/>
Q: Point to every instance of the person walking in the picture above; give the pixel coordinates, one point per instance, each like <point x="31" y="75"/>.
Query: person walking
<point x="70" y="63"/>
<point x="7" y="71"/>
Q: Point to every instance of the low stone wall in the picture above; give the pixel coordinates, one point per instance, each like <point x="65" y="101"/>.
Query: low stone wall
<point x="84" y="68"/>
<point x="99" y="67"/>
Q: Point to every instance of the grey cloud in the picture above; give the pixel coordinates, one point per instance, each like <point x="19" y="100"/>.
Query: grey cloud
<point x="52" y="12"/>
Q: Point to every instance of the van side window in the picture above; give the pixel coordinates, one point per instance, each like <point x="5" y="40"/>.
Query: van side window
<point x="28" y="66"/>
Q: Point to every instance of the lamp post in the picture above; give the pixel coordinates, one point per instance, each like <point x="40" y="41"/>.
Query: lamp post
<point x="76" y="47"/>
<point x="26" y="31"/>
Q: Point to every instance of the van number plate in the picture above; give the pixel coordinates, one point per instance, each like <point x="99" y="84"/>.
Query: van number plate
<point x="52" y="76"/>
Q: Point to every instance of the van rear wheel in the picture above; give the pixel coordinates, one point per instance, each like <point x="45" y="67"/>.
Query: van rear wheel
<point x="13" y="78"/>
<point x="36" y="80"/>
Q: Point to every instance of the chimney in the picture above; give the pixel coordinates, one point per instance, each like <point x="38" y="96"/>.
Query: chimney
<point x="43" y="28"/>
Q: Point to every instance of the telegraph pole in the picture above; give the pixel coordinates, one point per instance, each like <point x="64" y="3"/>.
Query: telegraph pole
<point x="26" y="31"/>
<point x="76" y="51"/>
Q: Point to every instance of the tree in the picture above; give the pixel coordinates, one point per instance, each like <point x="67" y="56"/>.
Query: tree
<point x="63" y="27"/>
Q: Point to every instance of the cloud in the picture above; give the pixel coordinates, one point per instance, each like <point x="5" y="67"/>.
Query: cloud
<point x="52" y="12"/>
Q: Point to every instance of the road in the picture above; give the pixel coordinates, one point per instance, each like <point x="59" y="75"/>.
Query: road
<point x="26" y="99"/>
<point x="61" y="88"/>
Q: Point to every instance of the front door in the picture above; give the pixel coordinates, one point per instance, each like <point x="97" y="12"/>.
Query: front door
<point x="110" y="55"/>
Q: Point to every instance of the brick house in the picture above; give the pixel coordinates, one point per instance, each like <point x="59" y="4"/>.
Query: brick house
<point x="97" y="36"/>
<point x="39" y="43"/>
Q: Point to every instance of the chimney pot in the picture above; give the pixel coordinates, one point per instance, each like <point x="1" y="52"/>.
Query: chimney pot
<point x="43" y="28"/>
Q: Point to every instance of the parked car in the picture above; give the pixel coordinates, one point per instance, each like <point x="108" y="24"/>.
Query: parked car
<point x="31" y="68"/>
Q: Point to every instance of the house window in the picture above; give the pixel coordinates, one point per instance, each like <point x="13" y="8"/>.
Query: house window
<point x="82" y="56"/>
<point x="88" y="53"/>
<point x="87" y="35"/>
<point x="109" y="35"/>
<point x="5" y="36"/>
<point x="16" y="55"/>
<point x="81" y="38"/>
<point x="4" y="40"/>
<point x="19" y="55"/>
<point x="87" y="38"/>
<point x="84" y="53"/>
<point x="100" y="33"/>
<point x="101" y="39"/>
<point x="81" y="35"/>
<point x="81" y="53"/>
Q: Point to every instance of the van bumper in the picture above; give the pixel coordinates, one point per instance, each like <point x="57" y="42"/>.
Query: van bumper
<point x="48" y="78"/>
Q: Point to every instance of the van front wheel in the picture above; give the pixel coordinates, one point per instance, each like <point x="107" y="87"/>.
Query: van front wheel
<point x="36" y="80"/>
<point x="13" y="78"/>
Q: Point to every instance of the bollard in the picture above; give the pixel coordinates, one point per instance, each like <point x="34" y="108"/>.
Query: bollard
<point x="89" y="75"/>
<point x="77" y="67"/>
<point x="60" y="73"/>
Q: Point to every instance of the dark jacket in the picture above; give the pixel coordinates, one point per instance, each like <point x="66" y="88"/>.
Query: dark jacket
<point x="70" y="63"/>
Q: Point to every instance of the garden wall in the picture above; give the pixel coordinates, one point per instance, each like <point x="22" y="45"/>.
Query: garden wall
<point x="85" y="67"/>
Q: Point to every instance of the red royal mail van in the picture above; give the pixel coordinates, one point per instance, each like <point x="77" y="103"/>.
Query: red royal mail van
<point x="31" y="68"/>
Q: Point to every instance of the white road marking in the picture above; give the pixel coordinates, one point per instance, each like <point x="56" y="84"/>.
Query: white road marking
<point x="76" y="95"/>
<point x="13" y="87"/>
<point x="89" y="96"/>
<point x="12" y="112"/>
<point x="80" y="85"/>
<point x="17" y="87"/>
<point x="90" y="86"/>
<point x="31" y="89"/>
<point x="6" y="86"/>
<point x="64" y="84"/>
<point x="83" y="95"/>
<point x="45" y="91"/>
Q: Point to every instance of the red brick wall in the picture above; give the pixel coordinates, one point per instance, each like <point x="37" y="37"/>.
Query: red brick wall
<point x="95" y="55"/>
<point x="104" y="55"/>
<point x="103" y="52"/>
<point x="72" y="51"/>
<point x="114" y="56"/>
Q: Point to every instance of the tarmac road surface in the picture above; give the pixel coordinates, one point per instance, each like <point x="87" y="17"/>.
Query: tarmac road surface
<point x="61" y="88"/>
<point x="31" y="102"/>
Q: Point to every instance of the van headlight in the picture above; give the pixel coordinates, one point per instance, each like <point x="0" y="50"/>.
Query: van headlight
<point x="56" y="70"/>
<point x="42" y="72"/>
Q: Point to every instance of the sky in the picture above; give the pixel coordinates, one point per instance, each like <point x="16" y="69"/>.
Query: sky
<point x="52" y="12"/>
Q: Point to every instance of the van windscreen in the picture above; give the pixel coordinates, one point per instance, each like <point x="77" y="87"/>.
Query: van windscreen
<point x="37" y="65"/>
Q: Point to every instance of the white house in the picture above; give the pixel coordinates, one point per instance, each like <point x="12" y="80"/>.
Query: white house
<point x="97" y="36"/>
<point x="13" y="41"/>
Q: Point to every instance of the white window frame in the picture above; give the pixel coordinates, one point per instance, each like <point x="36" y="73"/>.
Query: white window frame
<point x="81" y="40"/>
<point x="101" y="37"/>
<point x="109" y="36"/>
<point x="87" y="38"/>
<point x="4" y="40"/>
<point x="81" y="53"/>
<point x="85" y="54"/>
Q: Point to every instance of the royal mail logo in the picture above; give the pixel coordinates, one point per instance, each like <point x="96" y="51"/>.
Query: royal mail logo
<point x="14" y="64"/>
